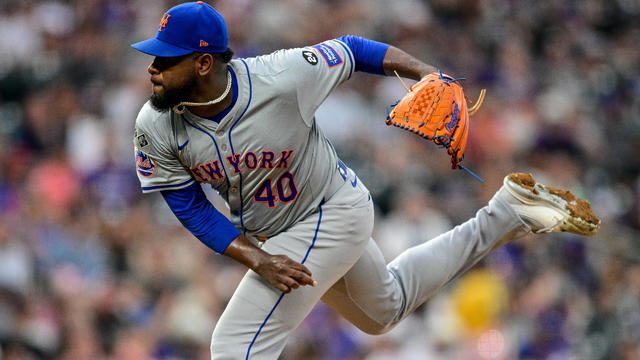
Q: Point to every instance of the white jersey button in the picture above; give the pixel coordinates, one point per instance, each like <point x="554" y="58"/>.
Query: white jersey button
<point x="224" y="147"/>
<point x="233" y="189"/>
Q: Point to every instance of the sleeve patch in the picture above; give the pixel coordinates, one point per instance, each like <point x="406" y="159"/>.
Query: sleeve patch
<point x="140" y="139"/>
<point x="144" y="164"/>
<point x="310" y="57"/>
<point x="329" y="54"/>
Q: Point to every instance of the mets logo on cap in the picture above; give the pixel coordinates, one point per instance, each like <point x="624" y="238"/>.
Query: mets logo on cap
<point x="144" y="164"/>
<point x="164" y="21"/>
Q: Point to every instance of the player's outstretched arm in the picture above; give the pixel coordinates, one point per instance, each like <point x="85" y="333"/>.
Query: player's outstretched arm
<point x="279" y="270"/>
<point x="196" y="213"/>
<point x="405" y="64"/>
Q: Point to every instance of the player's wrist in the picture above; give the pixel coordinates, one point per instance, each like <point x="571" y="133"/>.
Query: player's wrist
<point x="258" y="259"/>
<point x="426" y="70"/>
<point x="244" y="251"/>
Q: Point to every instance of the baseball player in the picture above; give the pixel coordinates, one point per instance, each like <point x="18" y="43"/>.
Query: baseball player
<point x="300" y="219"/>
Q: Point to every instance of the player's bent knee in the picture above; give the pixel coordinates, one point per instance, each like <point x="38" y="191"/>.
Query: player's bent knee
<point x="372" y="328"/>
<point x="374" y="331"/>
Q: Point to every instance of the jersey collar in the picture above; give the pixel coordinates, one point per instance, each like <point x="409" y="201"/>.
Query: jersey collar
<point x="240" y="99"/>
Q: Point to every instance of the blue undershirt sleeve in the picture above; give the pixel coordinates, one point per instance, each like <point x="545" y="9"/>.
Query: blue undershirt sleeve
<point x="367" y="54"/>
<point x="200" y="217"/>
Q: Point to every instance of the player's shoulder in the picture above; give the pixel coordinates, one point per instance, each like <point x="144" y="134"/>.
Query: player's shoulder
<point x="153" y="127"/>
<point x="149" y="118"/>
<point x="274" y="73"/>
<point x="268" y="64"/>
<point x="329" y="52"/>
<point x="279" y="60"/>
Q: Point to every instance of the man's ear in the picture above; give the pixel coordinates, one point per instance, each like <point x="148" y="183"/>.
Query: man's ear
<point x="203" y="64"/>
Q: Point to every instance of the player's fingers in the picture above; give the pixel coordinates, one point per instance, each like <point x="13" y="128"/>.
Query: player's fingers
<point x="294" y="264"/>
<point x="294" y="285"/>
<point x="282" y="287"/>
<point x="287" y="283"/>
<point x="303" y="278"/>
<point x="281" y="281"/>
<point x="300" y="273"/>
<point x="303" y="268"/>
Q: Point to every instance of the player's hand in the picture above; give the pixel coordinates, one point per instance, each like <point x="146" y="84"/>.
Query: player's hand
<point x="279" y="270"/>
<point x="283" y="273"/>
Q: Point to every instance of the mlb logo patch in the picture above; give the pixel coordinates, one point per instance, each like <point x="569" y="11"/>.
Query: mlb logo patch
<point x="144" y="164"/>
<point x="329" y="54"/>
<point x="142" y="140"/>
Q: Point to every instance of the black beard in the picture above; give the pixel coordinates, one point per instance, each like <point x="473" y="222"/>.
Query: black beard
<point x="172" y="97"/>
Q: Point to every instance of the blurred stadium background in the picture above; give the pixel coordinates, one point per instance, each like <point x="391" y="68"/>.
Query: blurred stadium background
<point x="91" y="269"/>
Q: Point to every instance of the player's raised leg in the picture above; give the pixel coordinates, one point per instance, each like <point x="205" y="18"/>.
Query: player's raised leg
<point x="375" y="297"/>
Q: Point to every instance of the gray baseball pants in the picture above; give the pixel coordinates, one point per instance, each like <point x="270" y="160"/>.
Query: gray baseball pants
<point x="335" y="243"/>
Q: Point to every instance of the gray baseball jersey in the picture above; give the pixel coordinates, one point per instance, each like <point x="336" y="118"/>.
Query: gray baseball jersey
<point x="267" y="157"/>
<point x="282" y="179"/>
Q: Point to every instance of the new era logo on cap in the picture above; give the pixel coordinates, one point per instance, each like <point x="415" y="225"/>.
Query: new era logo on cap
<point x="187" y="28"/>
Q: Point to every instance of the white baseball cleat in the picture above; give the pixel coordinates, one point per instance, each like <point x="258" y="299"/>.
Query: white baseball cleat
<point x="548" y="209"/>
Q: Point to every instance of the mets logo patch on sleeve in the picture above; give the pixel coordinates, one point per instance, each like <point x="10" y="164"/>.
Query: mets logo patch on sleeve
<point x="144" y="164"/>
<point x="329" y="54"/>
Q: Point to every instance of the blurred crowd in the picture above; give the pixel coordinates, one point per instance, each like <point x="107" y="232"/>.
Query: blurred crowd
<point x="91" y="269"/>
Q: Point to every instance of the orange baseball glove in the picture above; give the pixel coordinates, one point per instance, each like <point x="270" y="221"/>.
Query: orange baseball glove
<point x="436" y="109"/>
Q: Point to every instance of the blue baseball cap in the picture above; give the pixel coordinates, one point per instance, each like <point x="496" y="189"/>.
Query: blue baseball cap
<point x="187" y="28"/>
